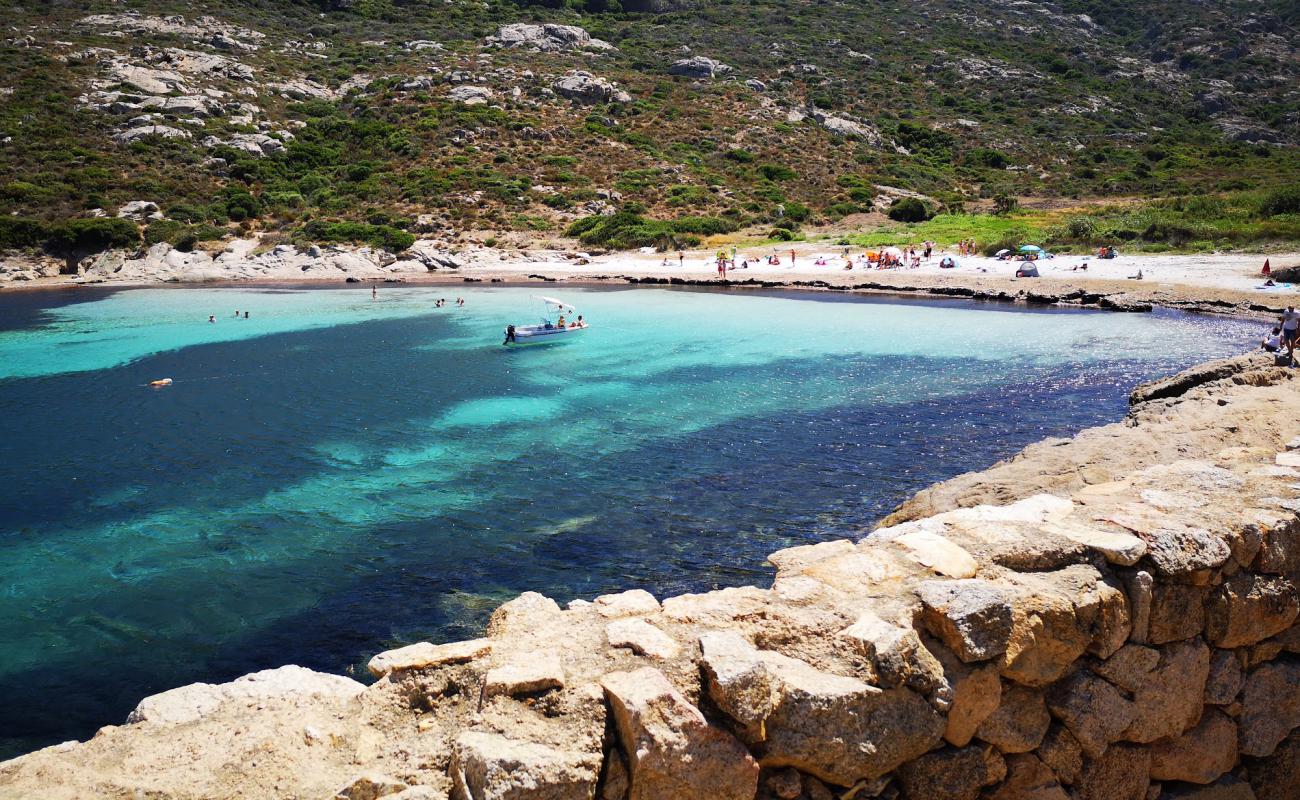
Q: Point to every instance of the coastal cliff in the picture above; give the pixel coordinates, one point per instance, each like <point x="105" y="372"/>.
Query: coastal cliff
<point x="1110" y="616"/>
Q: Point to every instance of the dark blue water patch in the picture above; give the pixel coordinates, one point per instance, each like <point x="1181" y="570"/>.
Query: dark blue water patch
<point x="678" y="514"/>
<point x="21" y="309"/>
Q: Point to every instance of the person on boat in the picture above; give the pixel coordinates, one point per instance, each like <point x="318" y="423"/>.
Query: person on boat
<point x="580" y="323"/>
<point x="510" y="334"/>
<point x="560" y="324"/>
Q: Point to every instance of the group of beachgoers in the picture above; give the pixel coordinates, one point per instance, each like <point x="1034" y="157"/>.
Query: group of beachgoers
<point x="1284" y="335"/>
<point x="212" y="318"/>
<point x="881" y="258"/>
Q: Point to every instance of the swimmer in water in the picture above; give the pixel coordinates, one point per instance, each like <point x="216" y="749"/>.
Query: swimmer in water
<point x="212" y="318"/>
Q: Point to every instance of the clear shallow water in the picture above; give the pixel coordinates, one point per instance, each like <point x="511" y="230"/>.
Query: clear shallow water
<point x="335" y="475"/>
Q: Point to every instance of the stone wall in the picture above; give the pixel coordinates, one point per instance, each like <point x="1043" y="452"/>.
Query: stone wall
<point x="1127" y="637"/>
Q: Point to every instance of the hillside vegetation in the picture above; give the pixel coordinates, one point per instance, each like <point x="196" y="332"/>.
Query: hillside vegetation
<point x="375" y="121"/>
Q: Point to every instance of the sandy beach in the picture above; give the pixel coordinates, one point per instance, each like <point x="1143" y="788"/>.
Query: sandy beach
<point x="1217" y="281"/>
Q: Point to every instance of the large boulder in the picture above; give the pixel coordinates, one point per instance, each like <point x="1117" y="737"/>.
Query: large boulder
<point x="975" y="693"/>
<point x="1019" y="723"/>
<point x="952" y="773"/>
<point x="587" y="88"/>
<point x="896" y="653"/>
<point x="1199" y="756"/>
<point x="1247" y="609"/>
<point x="547" y="38"/>
<point x="1278" y="776"/>
<point x="1121" y="773"/>
<point x="1093" y="710"/>
<point x="698" y="67"/>
<point x="972" y="617"/>
<point x="673" y="752"/>
<point x="193" y="702"/>
<point x="142" y="131"/>
<point x="834" y="727"/>
<point x="1028" y="778"/>
<point x="1270" y="707"/>
<point x="1168" y="700"/>
<point x="470" y="95"/>
<point x="488" y="766"/>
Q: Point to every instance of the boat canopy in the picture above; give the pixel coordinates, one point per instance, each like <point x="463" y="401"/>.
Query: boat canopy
<point x="554" y="302"/>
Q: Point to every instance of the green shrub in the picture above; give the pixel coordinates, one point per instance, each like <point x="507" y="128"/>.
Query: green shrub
<point x="92" y="235"/>
<point x="239" y="204"/>
<point x="740" y="155"/>
<point x="1004" y="203"/>
<point x="384" y="236"/>
<point x="22" y="232"/>
<point x="1281" y="201"/>
<point x="627" y="229"/>
<point x="797" y="211"/>
<point x="987" y="157"/>
<point x="776" y="172"/>
<point x="909" y="209"/>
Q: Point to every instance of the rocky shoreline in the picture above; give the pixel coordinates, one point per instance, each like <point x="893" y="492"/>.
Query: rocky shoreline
<point x="1105" y="617"/>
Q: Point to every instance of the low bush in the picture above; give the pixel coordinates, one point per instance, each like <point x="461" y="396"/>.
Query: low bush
<point x="909" y="209"/>
<point x="1281" y="201"/>
<point x="776" y="172"/>
<point x="18" y="232"/>
<point x="627" y="229"/>
<point x="384" y="236"/>
<point x="92" y="235"/>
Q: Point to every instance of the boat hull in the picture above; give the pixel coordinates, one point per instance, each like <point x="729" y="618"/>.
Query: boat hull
<point x="540" y="335"/>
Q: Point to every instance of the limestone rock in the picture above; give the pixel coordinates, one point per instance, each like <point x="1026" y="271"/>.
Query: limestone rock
<point x="698" y="67"/>
<point x="673" y="753"/>
<point x="952" y="773"/>
<point x="1092" y="709"/>
<point x="1062" y="753"/>
<point x="1019" y="723"/>
<point x="525" y="614"/>
<point x="546" y="38"/>
<point x="1277" y="777"/>
<point x="976" y="693"/>
<point x="1225" y="678"/>
<point x="470" y="95"/>
<point x="141" y="131"/>
<point x="938" y="553"/>
<point x="644" y="638"/>
<point x="899" y="657"/>
<point x="972" y="616"/>
<point x="423" y="655"/>
<point x="192" y="702"/>
<point x="1247" y="609"/>
<point x="525" y="674"/>
<point x="1270" y="707"/>
<point x="837" y="728"/>
<point x="587" y="88"/>
<point x="1177" y="612"/>
<point x="1121" y="773"/>
<point x="137" y="209"/>
<point x="614" y="780"/>
<point x="1179" y="550"/>
<point x="1170" y="700"/>
<point x="1199" y="756"/>
<point x="370" y="787"/>
<point x="488" y="766"/>
<point x="634" y="602"/>
<point x="1028" y="778"/>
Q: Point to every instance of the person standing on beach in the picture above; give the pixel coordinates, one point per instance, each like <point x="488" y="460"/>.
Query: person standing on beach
<point x="792" y="256"/>
<point x="1290" y="323"/>
<point x="681" y="258"/>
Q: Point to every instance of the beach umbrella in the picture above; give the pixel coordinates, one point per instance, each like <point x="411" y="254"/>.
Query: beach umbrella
<point x="1030" y="248"/>
<point x="1002" y="252"/>
<point x="893" y="252"/>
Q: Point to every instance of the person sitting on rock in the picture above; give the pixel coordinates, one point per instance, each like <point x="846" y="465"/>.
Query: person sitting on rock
<point x="1273" y="342"/>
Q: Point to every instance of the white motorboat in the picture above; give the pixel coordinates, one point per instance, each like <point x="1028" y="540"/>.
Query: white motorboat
<point x="558" y="324"/>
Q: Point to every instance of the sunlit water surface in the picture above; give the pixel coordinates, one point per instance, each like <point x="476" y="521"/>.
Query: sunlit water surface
<point x="336" y="475"/>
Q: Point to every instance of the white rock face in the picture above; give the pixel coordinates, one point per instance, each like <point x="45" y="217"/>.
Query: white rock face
<point x="587" y="88"/>
<point x="167" y="132"/>
<point x="189" y="703"/>
<point x="471" y="95"/>
<point x="699" y="67"/>
<point x="546" y="38"/>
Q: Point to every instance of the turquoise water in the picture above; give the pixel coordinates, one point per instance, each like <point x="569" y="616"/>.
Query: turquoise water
<point x="336" y="475"/>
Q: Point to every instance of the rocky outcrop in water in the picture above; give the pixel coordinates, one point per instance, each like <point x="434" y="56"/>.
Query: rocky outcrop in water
<point x="1128" y="635"/>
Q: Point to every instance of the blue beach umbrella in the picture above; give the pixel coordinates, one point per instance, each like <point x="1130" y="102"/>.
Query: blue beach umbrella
<point x="1030" y="248"/>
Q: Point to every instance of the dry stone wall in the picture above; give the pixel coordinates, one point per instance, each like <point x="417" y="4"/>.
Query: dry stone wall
<point x="1132" y="638"/>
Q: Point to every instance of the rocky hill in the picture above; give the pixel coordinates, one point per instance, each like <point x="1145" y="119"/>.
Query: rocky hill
<point x="370" y="120"/>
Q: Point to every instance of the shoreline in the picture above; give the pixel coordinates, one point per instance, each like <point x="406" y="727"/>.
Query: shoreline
<point x="1206" y="284"/>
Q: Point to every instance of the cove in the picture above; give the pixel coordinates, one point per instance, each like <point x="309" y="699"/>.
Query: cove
<point x="337" y="475"/>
